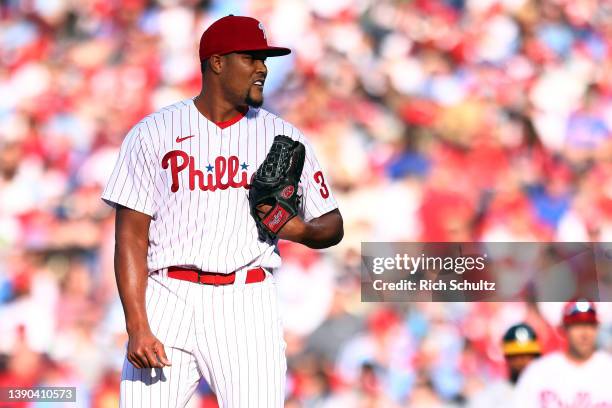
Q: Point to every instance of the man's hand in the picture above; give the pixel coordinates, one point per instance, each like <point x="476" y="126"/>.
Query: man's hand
<point x="146" y="351"/>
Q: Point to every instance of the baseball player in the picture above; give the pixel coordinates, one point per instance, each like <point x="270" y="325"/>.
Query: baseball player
<point x="520" y="347"/>
<point x="578" y="377"/>
<point x="195" y="255"/>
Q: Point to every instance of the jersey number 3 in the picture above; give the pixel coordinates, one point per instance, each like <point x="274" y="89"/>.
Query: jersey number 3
<point x="318" y="177"/>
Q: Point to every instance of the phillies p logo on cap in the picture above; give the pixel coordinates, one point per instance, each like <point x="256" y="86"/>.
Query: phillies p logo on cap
<point x="261" y="27"/>
<point x="237" y="34"/>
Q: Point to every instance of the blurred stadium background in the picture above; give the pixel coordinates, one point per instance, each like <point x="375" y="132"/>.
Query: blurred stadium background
<point x="436" y="120"/>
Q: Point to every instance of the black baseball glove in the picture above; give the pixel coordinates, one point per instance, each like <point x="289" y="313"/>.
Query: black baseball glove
<point x="275" y="183"/>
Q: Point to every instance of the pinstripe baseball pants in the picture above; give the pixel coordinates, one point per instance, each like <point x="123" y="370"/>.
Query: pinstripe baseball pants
<point x="230" y="335"/>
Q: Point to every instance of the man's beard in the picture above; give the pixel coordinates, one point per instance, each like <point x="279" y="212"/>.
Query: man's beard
<point x="251" y="102"/>
<point x="514" y="376"/>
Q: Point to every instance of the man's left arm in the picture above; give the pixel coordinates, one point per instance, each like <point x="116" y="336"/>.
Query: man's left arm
<point x="320" y="222"/>
<point x="321" y="232"/>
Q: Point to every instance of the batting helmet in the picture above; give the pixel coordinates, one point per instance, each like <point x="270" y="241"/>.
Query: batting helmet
<point x="521" y="339"/>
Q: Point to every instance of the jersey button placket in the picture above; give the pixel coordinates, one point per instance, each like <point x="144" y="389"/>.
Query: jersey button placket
<point x="225" y="145"/>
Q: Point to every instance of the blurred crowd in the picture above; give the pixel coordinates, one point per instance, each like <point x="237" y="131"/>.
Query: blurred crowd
<point x="436" y="120"/>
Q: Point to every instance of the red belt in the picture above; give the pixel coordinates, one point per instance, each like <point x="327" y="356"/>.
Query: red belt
<point x="214" y="278"/>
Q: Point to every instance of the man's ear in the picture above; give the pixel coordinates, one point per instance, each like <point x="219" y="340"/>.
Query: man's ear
<point x="215" y="63"/>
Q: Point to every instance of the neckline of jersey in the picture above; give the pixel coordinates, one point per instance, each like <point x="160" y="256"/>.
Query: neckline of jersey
<point x="227" y="123"/>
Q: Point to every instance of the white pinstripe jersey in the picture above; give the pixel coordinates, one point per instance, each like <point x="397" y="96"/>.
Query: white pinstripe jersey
<point x="191" y="176"/>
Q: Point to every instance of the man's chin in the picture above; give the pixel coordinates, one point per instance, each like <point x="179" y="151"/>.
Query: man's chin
<point x="254" y="103"/>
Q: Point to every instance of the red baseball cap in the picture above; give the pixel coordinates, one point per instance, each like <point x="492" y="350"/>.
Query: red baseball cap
<point x="236" y="33"/>
<point x="579" y="311"/>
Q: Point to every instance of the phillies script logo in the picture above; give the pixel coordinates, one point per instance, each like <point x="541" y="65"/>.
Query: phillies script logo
<point x="550" y="399"/>
<point x="179" y="161"/>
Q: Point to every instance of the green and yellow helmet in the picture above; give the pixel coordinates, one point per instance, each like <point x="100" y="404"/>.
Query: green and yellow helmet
<point x="521" y="339"/>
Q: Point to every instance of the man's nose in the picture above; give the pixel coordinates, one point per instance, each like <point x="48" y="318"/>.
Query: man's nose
<point x="261" y="67"/>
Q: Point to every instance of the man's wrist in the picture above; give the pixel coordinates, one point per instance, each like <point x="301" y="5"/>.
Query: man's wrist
<point x="137" y="327"/>
<point x="304" y="232"/>
<point x="300" y="231"/>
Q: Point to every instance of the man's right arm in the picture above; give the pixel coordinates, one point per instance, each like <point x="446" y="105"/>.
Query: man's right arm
<point x="131" y="243"/>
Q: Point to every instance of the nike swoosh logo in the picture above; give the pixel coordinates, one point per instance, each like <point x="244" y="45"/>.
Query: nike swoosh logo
<point x="182" y="139"/>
